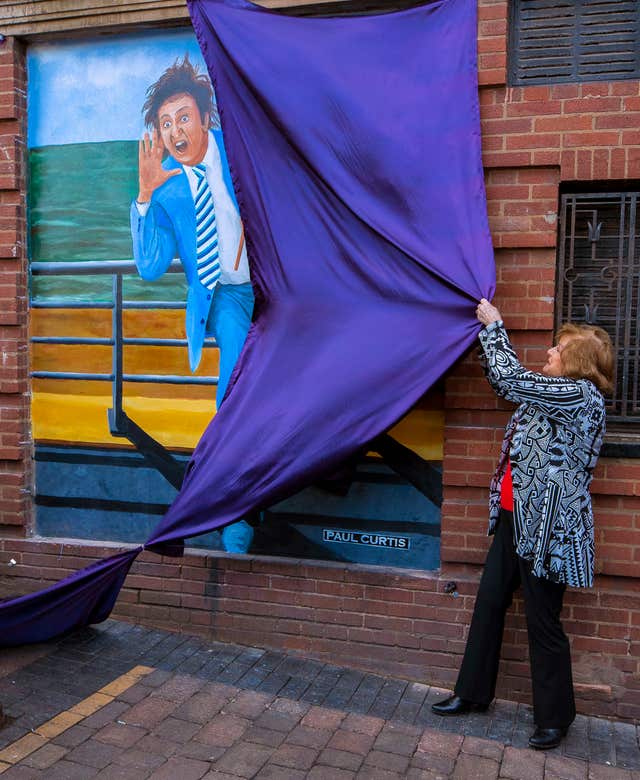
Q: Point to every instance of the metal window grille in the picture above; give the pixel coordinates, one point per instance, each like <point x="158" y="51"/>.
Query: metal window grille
<point x="554" y="41"/>
<point x="599" y="281"/>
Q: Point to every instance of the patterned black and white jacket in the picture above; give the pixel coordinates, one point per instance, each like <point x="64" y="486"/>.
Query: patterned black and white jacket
<point x="553" y="440"/>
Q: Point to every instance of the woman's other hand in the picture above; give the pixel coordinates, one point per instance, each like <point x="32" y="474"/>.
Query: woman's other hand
<point x="487" y="313"/>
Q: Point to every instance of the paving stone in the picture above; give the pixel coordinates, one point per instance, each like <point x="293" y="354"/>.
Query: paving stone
<point x="277" y="721"/>
<point x="74" y="736"/>
<point x="424" y="774"/>
<point x="264" y="736"/>
<point x="134" y="694"/>
<point x="447" y="745"/>
<point x="157" y="678"/>
<point x="499" y="729"/>
<point x="177" y="730"/>
<point x="376" y="773"/>
<point x="602" y="772"/>
<point x="366" y="692"/>
<point x="309" y="737"/>
<point x="47" y="755"/>
<point x="351" y="741"/>
<point x="249" y="704"/>
<point x="294" y="688"/>
<point x="107" y="714"/>
<point x="11" y="733"/>
<point x="137" y="759"/>
<point x="295" y="709"/>
<point x="407" y="710"/>
<point x="222" y="690"/>
<point x="330" y="773"/>
<point x="66" y="770"/>
<point x="520" y="738"/>
<point x="201" y="707"/>
<point x="223" y="730"/>
<point x="344" y="688"/>
<point x="214" y="775"/>
<point x="93" y="753"/>
<point x="275" y="772"/>
<point x="200" y="751"/>
<point x="383" y="708"/>
<point x="517" y="763"/>
<point x="179" y="688"/>
<point x="363" y="724"/>
<point x="568" y="768"/>
<point x="294" y="756"/>
<point x="476" y="724"/>
<point x="626" y="746"/>
<point x="600" y="751"/>
<point x="117" y="772"/>
<point x="161" y="747"/>
<point x="194" y="663"/>
<point x="577" y="741"/>
<point x="23" y="773"/>
<point x="475" y="768"/>
<point x="340" y="759"/>
<point x="323" y="718"/>
<point x="273" y="683"/>
<point x="121" y="735"/>
<point x="149" y="712"/>
<point x="394" y="739"/>
<point x="430" y="762"/>
<point x="482" y="747"/>
<point x="181" y="769"/>
<point x="322" y="685"/>
<point x="502" y="708"/>
<point x="394" y="762"/>
<point x="244" y="759"/>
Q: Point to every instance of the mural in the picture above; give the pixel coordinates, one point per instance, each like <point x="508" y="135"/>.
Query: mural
<point x="141" y="300"/>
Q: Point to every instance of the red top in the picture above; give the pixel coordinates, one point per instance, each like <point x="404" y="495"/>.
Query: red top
<point x="506" y="490"/>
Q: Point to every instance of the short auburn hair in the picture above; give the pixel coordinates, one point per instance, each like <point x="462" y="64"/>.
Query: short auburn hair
<point x="182" y="78"/>
<point x="588" y="355"/>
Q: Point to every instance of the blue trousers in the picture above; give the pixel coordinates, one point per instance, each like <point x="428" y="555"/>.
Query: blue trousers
<point x="229" y="321"/>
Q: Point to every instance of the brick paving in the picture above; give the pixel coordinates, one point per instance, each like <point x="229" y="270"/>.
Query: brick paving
<point x="200" y="709"/>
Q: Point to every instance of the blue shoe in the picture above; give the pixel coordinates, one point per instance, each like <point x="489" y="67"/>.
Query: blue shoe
<point x="237" y="537"/>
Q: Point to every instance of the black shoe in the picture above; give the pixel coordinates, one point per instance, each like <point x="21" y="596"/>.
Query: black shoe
<point x="454" y="705"/>
<point x="545" y="739"/>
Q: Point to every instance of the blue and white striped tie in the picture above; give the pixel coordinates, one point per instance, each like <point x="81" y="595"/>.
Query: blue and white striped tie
<point x="206" y="231"/>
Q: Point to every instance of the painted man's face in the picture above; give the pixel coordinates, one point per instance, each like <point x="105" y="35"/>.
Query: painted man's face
<point x="184" y="132"/>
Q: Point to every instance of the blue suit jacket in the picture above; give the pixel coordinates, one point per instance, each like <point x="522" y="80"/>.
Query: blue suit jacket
<point x="168" y="230"/>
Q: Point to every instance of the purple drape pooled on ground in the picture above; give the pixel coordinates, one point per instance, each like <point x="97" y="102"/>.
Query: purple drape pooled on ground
<point x="354" y="145"/>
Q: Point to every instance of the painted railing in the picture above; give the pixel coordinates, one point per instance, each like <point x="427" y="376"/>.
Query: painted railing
<point x="120" y="425"/>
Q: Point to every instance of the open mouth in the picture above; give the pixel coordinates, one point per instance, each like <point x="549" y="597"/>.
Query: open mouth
<point x="181" y="146"/>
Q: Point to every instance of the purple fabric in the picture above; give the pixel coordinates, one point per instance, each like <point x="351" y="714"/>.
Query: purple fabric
<point x="354" y="145"/>
<point x="85" y="597"/>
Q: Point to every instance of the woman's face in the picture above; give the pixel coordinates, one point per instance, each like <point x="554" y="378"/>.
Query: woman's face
<point x="553" y="366"/>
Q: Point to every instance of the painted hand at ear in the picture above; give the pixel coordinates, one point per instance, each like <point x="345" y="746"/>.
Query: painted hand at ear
<point x="151" y="174"/>
<point x="487" y="313"/>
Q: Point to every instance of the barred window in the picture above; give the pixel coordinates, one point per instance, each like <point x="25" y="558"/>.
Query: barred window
<point x="599" y="280"/>
<point x="553" y="41"/>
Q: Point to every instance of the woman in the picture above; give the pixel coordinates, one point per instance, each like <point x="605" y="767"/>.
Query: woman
<point x="540" y="515"/>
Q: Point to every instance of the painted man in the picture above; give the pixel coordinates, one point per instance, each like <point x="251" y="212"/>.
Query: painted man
<point x="186" y="207"/>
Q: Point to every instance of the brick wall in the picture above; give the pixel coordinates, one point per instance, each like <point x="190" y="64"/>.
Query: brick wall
<point x="391" y="621"/>
<point x="534" y="138"/>
<point x="400" y="622"/>
<point x="15" y="450"/>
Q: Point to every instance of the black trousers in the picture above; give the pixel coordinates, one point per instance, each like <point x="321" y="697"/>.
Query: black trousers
<point x="504" y="571"/>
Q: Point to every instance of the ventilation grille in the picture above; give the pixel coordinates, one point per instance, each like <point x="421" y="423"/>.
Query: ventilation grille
<point x="574" y="40"/>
